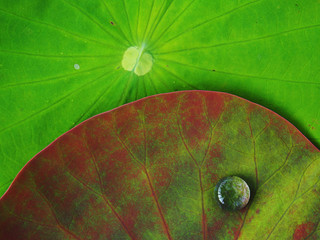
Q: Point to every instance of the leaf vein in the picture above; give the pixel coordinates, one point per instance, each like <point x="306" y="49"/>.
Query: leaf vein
<point x="95" y="22"/>
<point x="241" y="74"/>
<point x="241" y="41"/>
<point x="209" y="20"/>
<point x="48" y="107"/>
<point x="64" y="31"/>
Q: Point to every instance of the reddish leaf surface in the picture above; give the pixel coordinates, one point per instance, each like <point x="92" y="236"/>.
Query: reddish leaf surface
<point x="147" y="170"/>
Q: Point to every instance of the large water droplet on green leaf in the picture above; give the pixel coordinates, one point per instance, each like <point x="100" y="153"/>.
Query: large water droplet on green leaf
<point x="233" y="193"/>
<point x="137" y="60"/>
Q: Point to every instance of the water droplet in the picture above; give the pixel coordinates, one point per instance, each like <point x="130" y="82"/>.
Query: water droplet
<point x="135" y="59"/>
<point x="76" y="66"/>
<point x="232" y="193"/>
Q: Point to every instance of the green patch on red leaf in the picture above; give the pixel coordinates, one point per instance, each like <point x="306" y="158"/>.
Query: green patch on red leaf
<point x="148" y="170"/>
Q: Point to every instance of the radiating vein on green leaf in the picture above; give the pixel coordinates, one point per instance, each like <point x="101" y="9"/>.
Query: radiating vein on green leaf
<point x="240" y="74"/>
<point x="50" y="79"/>
<point x="156" y="18"/>
<point x="159" y="79"/>
<point x="109" y="12"/>
<point x="137" y="23"/>
<point x="137" y="88"/>
<point x="178" y="78"/>
<point x="153" y="45"/>
<point x="207" y="21"/>
<point x="127" y="16"/>
<point x="148" y="22"/>
<point x="96" y="23"/>
<point x="241" y="41"/>
<point x="159" y="20"/>
<point x="125" y="90"/>
<point x="152" y="83"/>
<point x="144" y="86"/>
<point x="106" y="90"/>
<point x="51" y="105"/>
<point x="40" y="55"/>
<point x="62" y="30"/>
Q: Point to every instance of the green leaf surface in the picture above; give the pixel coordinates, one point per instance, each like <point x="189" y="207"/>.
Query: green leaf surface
<point x="148" y="170"/>
<point x="61" y="61"/>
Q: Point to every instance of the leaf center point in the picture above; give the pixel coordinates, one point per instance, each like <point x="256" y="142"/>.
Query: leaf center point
<point x="137" y="60"/>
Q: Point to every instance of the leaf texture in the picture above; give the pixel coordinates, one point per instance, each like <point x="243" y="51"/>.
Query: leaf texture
<point x="147" y="170"/>
<point x="60" y="61"/>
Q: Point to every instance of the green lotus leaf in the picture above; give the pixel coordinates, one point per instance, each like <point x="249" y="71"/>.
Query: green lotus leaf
<point x="63" y="61"/>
